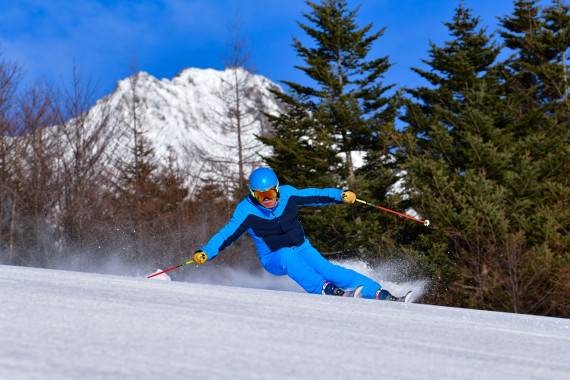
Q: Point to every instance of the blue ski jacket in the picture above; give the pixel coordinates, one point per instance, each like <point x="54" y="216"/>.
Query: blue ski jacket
<point x="271" y="229"/>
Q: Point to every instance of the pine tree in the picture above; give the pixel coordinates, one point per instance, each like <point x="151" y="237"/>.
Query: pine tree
<point x="454" y="158"/>
<point x="484" y="163"/>
<point x="298" y="158"/>
<point x="330" y="125"/>
<point x="538" y="184"/>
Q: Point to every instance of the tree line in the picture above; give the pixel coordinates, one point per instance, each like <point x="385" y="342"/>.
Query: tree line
<point x="67" y="200"/>
<point x="483" y="154"/>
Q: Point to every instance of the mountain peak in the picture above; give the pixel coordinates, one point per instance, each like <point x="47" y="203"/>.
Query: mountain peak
<point x="193" y="118"/>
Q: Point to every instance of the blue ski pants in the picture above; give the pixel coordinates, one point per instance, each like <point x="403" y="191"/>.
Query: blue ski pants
<point x="307" y="267"/>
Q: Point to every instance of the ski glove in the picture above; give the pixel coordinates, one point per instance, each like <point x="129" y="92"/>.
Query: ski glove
<point x="348" y="197"/>
<point x="200" y="257"/>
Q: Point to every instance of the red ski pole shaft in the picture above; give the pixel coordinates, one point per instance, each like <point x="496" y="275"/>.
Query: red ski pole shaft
<point x="425" y="222"/>
<point x="168" y="270"/>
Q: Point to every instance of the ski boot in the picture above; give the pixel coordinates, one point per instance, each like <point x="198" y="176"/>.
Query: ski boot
<point x="331" y="289"/>
<point x="383" y="294"/>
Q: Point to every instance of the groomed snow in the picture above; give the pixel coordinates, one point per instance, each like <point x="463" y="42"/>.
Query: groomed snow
<point x="72" y="325"/>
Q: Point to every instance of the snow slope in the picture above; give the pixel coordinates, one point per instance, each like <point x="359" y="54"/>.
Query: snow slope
<point x="71" y="325"/>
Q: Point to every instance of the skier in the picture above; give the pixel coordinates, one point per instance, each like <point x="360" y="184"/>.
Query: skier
<point x="269" y="216"/>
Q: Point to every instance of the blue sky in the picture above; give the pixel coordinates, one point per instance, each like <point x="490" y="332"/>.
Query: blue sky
<point x="101" y="37"/>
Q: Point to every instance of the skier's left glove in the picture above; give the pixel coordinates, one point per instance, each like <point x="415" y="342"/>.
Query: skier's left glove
<point x="200" y="257"/>
<point x="348" y="197"/>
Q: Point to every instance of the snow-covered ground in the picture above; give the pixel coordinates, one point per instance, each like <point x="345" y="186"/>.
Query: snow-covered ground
<point x="72" y="325"/>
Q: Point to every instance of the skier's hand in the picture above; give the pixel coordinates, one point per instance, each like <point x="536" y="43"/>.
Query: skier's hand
<point x="348" y="197"/>
<point x="200" y="257"/>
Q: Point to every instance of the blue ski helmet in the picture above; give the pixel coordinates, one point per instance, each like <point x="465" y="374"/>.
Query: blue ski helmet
<point x="263" y="179"/>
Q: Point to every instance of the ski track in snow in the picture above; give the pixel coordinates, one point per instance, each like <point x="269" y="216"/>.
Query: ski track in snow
<point x="60" y="324"/>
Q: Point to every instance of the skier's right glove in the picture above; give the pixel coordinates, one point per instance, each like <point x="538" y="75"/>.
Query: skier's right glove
<point x="200" y="257"/>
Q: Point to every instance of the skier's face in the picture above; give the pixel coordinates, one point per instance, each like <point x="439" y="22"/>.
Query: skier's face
<point x="269" y="203"/>
<point x="267" y="198"/>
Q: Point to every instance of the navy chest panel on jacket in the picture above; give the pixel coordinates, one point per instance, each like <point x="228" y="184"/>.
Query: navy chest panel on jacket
<point x="280" y="231"/>
<point x="271" y="229"/>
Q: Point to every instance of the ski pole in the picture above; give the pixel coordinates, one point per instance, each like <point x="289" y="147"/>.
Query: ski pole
<point x="178" y="266"/>
<point x="425" y="222"/>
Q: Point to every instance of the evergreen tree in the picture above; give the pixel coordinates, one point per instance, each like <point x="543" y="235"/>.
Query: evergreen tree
<point x="537" y="182"/>
<point x="329" y="126"/>
<point x="452" y="144"/>
<point x="484" y="163"/>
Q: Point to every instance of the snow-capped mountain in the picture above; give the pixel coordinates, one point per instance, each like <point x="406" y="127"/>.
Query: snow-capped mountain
<point x="193" y="118"/>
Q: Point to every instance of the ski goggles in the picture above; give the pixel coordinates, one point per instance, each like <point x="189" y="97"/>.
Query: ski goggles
<point x="266" y="194"/>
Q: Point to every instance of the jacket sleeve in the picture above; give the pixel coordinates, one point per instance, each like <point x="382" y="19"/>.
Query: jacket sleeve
<point x="231" y="232"/>
<point x="317" y="197"/>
